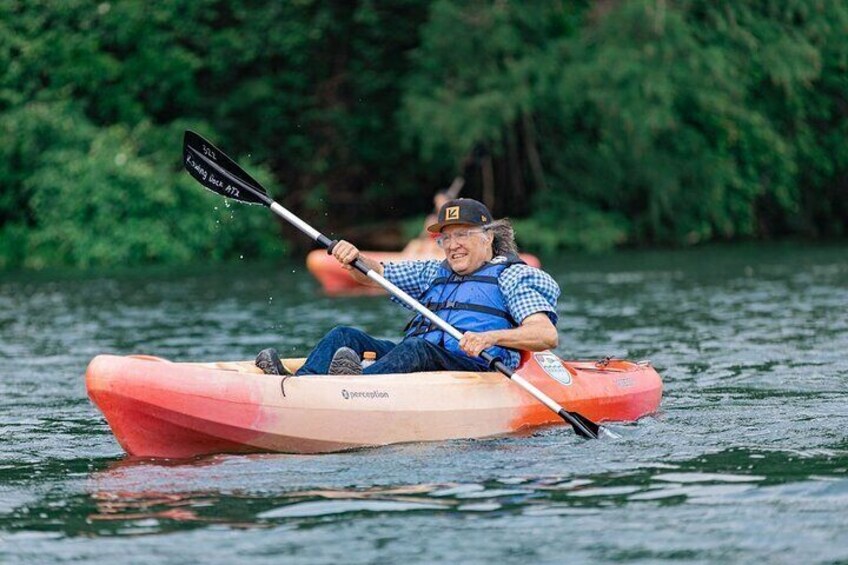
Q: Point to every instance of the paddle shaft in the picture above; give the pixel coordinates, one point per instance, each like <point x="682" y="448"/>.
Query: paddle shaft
<point x="455" y="188"/>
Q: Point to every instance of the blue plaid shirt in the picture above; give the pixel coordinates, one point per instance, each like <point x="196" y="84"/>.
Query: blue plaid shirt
<point x="526" y="290"/>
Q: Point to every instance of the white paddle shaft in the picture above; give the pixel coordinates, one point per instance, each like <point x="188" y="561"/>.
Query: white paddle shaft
<point x="297" y="222"/>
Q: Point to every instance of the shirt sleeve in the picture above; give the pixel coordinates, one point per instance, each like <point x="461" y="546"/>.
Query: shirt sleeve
<point x="412" y="277"/>
<point x="528" y="290"/>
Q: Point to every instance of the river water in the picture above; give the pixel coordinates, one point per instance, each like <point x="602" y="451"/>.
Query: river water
<point x="746" y="461"/>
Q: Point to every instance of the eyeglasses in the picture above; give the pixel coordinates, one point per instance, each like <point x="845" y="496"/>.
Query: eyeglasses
<point x="459" y="236"/>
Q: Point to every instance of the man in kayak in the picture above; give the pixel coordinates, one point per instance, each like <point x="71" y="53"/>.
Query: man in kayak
<point x="481" y="288"/>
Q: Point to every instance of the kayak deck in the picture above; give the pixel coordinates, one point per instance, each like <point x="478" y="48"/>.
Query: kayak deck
<point x="177" y="410"/>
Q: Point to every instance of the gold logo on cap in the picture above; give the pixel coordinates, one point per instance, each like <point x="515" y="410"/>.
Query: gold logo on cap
<point x="452" y="213"/>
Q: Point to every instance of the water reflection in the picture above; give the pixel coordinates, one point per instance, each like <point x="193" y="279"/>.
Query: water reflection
<point x="133" y="497"/>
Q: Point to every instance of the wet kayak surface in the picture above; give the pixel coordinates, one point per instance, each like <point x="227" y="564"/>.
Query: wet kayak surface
<point x="747" y="459"/>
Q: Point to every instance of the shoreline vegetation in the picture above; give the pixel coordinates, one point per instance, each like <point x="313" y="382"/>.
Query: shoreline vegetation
<point x="594" y="125"/>
<point x="746" y="256"/>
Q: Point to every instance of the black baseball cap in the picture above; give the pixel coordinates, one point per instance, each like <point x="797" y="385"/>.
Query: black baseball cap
<point x="462" y="211"/>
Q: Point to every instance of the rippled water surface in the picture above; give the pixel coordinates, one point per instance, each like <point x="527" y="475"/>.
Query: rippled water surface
<point x="746" y="462"/>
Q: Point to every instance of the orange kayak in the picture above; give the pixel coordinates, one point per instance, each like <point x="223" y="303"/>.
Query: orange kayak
<point x="157" y="408"/>
<point x="335" y="280"/>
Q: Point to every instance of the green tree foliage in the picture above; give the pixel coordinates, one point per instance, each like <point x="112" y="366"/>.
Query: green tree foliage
<point x="95" y="97"/>
<point x="601" y="123"/>
<point x="649" y="120"/>
<point x="91" y="161"/>
<point x="793" y="57"/>
<point x="111" y="196"/>
<point x="656" y="125"/>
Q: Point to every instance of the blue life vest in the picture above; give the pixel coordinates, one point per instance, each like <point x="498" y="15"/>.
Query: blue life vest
<point x="470" y="303"/>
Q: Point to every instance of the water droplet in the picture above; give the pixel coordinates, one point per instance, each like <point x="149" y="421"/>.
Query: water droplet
<point x="241" y="256"/>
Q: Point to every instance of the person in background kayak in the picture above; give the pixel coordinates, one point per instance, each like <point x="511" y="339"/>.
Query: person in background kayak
<point x="481" y="288"/>
<point x="425" y="244"/>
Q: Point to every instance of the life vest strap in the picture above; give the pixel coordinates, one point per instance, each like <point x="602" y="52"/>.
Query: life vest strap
<point x="451" y="305"/>
<point x="456" y="279"/>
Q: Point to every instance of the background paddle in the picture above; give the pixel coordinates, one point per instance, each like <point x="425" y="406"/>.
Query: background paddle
<point x="220" y="174"/>
<point x="455" y="188"/>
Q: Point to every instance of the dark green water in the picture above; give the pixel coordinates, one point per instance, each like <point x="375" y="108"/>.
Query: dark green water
<point x="747" y="461"/>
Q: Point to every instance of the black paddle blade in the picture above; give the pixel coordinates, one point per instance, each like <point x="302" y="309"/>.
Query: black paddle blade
<point x="584" y="427"/>
<point x="215" y="171"/>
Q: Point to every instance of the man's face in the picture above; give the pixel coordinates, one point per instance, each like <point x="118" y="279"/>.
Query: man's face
<point x="466" y="247"/>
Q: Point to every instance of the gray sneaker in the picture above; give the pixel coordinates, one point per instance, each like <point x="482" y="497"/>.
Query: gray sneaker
<point x="269" y="361"/>
<point x="345" y="362"/>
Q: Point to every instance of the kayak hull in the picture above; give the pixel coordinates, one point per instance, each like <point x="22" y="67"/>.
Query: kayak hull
<point x="156" y="408"/>
<point x="335" y="280"/>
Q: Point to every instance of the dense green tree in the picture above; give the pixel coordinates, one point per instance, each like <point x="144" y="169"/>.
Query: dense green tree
<point x="793" y="60"/>
<point x="654" y="121"/>
<point x="597" y="123"/>
<point x="112" y="196"/>
<point x="307" y="88"/>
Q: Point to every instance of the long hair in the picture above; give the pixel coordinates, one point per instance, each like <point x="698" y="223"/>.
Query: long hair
<point x="504" y="237"/>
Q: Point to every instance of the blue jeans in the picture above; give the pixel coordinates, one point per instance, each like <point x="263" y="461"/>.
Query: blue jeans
<point x="411" y="355"/>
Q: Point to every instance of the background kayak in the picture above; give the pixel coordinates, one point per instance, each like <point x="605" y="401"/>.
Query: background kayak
<point x="335" y="280"/>
<point x="161" y="409"/>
